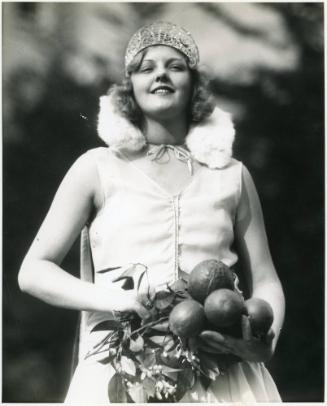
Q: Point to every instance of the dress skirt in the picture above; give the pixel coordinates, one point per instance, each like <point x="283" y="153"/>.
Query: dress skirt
<point x="244" y="382"/>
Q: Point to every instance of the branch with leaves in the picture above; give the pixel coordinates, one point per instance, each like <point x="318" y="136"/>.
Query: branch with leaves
<point x="150" y="362"/>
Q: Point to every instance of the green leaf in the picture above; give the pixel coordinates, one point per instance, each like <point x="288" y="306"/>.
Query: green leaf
<point x="166" y="368"/>
<point x="170" y="345"/>
<point x="137" y="393"/>
<point x="188" y="377"/>
<point x="163" y="326"/>
<point x="186" y="380"/>
<point x="106" y="325"/>
<point x="140" y="280"/>
<point x="149" y="385"/>
<point x="149" y="360"/>
<point x="172" y="373"/>
<point x="117" y="390"/>
<point x="205" y="381"/>
<point x="129" y="274"/>
<point x="209" y="363"/>
<point x="159" y="340"/>
<point x="128" y="365"/>
<point x="137" y="344"/>
<point x="109" y="269"/>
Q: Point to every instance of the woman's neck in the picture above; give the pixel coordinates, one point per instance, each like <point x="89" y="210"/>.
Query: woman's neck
<point x="172" y="132"/>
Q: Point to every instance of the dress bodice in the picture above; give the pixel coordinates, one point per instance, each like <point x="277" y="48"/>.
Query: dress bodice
<point x="140" y="222"/>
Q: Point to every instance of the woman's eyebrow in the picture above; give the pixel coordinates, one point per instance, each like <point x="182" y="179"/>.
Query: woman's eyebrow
<point x="175" y="59"/>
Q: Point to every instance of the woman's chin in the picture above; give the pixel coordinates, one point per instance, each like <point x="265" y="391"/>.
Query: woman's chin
<point x="164" y="110"/>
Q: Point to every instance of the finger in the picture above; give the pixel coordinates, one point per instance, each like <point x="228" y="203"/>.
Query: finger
<point x="144" y="301"/>
<point x="270" y="336"/>
<point x="193" y="344"/>
<point x="212" y="348"/>
<point x="151" y="293"/>
<point x="215" y="341"/>
<point x="212" y="336"/>
<point x="142" y="311"/>
<point x="246" y="328"/>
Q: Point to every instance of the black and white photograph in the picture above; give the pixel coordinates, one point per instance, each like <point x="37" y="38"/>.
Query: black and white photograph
<point x="163" y="213"/>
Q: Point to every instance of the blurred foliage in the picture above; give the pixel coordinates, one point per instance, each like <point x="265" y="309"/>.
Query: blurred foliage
<point x="58" y="59"/>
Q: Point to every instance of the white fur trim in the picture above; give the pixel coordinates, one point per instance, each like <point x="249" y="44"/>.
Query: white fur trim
<point x="209" y="142"/>
<point x="115" y="130"/>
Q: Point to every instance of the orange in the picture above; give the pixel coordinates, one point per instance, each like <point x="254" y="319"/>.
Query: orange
<point x="207" y="276"/>
<point x="223" y="308"/>
<point x="187" y="318"/>
<point x="261" y="315"/>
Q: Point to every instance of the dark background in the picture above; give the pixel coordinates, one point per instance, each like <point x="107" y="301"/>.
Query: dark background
<point x="267" y="64"/>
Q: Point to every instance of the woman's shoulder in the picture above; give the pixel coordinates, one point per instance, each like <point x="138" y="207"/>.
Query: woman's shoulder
<point x="85" y="167"/>
<point x="83" y="175"/>
<point x="94" y="153"/>
<point x="235" y="162"/>
<point x="242" y="172"/>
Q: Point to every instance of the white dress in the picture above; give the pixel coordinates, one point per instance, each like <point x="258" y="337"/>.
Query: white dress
<point x="140" y="222"/>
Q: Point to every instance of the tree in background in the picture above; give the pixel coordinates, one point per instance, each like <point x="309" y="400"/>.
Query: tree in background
<point x="266" y="63"/>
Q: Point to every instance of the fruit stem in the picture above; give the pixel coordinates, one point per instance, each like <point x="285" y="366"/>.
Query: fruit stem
<point x="152" y="323"/>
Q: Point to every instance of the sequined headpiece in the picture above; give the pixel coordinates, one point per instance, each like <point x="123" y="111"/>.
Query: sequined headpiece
<point x="163" y="33"/>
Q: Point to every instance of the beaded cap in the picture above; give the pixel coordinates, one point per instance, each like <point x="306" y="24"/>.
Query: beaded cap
<point x="163" y="33"/>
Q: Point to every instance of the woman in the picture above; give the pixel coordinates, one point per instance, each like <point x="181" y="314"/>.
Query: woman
<point x="167" y="194"/>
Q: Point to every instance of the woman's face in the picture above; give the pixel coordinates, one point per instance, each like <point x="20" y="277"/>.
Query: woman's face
<point x="162" y="84"/>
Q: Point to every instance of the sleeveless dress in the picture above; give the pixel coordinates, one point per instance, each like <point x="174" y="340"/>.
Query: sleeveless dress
<point x="140" y="222"/>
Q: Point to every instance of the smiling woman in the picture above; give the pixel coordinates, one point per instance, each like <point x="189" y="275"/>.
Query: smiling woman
<point x="164" y="196"/>
<point x="162" y="85"/>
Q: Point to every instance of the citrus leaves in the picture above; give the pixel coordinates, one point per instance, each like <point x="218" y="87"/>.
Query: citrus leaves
<point x="117" y="390"/>
<point x="128" y="365"/>
<point x="132" y="276"/>
<point x="136" y="345"/>
<point x="153" y="361"/>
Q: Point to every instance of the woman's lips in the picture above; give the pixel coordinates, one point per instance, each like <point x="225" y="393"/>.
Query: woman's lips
<point x="162" y="90"/>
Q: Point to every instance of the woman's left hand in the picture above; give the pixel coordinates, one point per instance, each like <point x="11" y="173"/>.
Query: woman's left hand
<point x="249" y="348"/>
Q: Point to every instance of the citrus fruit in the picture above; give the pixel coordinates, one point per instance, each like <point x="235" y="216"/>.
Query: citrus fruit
<point x="187" y="318"/>
<point x="223" y="308"/>
<point x="208" y="276"/>
<point x="261" y="315"/>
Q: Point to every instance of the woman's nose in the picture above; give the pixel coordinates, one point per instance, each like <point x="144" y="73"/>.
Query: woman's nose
<point x="161" y="74"/>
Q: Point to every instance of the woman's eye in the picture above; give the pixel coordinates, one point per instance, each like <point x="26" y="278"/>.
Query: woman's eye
<point x="145" y="69"/>
<point x="177" y="67"/>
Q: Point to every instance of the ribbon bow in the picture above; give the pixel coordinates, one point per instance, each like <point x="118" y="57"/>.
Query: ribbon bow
<point x="182" y="154"/>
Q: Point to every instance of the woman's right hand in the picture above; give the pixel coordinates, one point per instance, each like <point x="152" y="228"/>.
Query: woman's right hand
<point x="138" y="300"/>
<point x="132" y="301"/>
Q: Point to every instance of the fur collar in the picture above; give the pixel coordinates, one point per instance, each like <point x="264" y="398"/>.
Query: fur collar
<point x="209" y="142"/>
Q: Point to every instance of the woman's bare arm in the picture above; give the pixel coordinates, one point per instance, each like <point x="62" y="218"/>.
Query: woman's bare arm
<point x="255" y="255"/>
<point x="253" y="249"/>
<point x="41" y="275"/>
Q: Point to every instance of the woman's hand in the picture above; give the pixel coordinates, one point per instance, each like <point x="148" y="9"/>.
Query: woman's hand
<point x="138" y="302"/>
<point x="248" y="348"/>
<point x="139" y="299"/>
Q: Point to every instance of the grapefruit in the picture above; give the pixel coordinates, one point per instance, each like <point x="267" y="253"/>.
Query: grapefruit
<point x="224" y="308"/>
<point x="207" y="276"/>
<point x="260" y="314"/>
<point x="187" y="318"/>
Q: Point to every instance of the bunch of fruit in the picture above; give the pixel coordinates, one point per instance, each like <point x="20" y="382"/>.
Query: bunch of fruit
<point x="158" y="359"/>
<point x="216" y="304"/>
